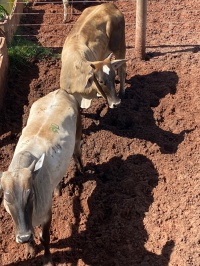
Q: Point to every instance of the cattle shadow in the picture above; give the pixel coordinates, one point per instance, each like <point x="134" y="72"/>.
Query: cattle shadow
<point x="19" y="79"/>
<point x="115" y="231"/>
<point x="16" y="97"/>
<point x="135" y="117"/>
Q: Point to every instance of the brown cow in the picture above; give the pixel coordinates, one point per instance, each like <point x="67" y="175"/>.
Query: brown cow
<point x="87" y="67"/>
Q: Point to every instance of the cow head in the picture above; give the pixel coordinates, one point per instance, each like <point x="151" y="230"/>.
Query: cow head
<point x="104" y="78"/>
<point x="18" y="190"/>
<point x="86" y="79"/>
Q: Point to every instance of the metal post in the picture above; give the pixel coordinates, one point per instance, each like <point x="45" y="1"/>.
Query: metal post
<point x="140" y="36"/>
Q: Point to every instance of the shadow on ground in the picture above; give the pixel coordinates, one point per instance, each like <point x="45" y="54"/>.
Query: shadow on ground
<point x="117" y="207"/>
<point x="135" y="117"/>
<point x="11" y="116"/>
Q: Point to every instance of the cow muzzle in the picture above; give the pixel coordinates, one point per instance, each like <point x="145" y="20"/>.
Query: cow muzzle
<point x="114" y="104"/>
<point x="24" y="238"/>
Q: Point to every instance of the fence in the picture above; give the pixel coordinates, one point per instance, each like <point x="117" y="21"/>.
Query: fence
<point x="166" y="21"/>
<point x="36" y="19"/>
<point x="7" y="29"/>
<point x="10" y="24"/>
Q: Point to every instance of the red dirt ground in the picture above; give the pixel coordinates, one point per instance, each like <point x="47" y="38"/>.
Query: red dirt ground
<point x="138" y="202"/>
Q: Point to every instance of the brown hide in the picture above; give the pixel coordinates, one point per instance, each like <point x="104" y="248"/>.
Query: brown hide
<point x="98" y="32"/>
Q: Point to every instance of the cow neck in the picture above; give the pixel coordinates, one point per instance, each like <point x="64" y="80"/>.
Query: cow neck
<point x="71" y="95"/>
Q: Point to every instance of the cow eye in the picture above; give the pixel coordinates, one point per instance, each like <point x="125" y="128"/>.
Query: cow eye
<point x="102" y="82"/>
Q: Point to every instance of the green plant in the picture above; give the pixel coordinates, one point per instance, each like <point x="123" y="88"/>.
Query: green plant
<point x="3" y="13"/>
<point x="22" y="52"/>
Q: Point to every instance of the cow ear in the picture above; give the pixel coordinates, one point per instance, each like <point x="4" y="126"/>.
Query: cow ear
<point x="117" y="63"/>
<point x="39" y="163"/>
<point x="89" y="81"/>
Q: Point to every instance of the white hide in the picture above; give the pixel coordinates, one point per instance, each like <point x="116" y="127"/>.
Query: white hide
<point x="49" y="137"/>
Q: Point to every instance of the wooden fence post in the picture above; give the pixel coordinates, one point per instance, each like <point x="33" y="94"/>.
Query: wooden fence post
<point x="140" y="35"/>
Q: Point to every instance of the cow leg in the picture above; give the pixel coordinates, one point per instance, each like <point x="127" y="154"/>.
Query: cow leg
<point x="122" y="76"/>
<point x="118" y="47"/>
<point x="31" y="249"/>
<point x="65" y="5"/>
<point x="45" y="240"/>
<point x="77" y="149"/>
<point x="121" y="72"/>
<point x="78" y="162"/>
<point x="71" y="11"/>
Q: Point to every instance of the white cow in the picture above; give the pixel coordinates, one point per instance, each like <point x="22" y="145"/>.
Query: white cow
<point x="42" y="155"/>
<point x="87" y="65"/>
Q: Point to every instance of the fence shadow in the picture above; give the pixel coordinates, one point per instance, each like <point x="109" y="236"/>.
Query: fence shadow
<point x="135" y="117"/>
<point x="178" y="49"/>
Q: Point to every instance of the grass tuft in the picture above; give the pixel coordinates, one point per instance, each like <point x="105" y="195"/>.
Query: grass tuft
<point x="22" y="52"/>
